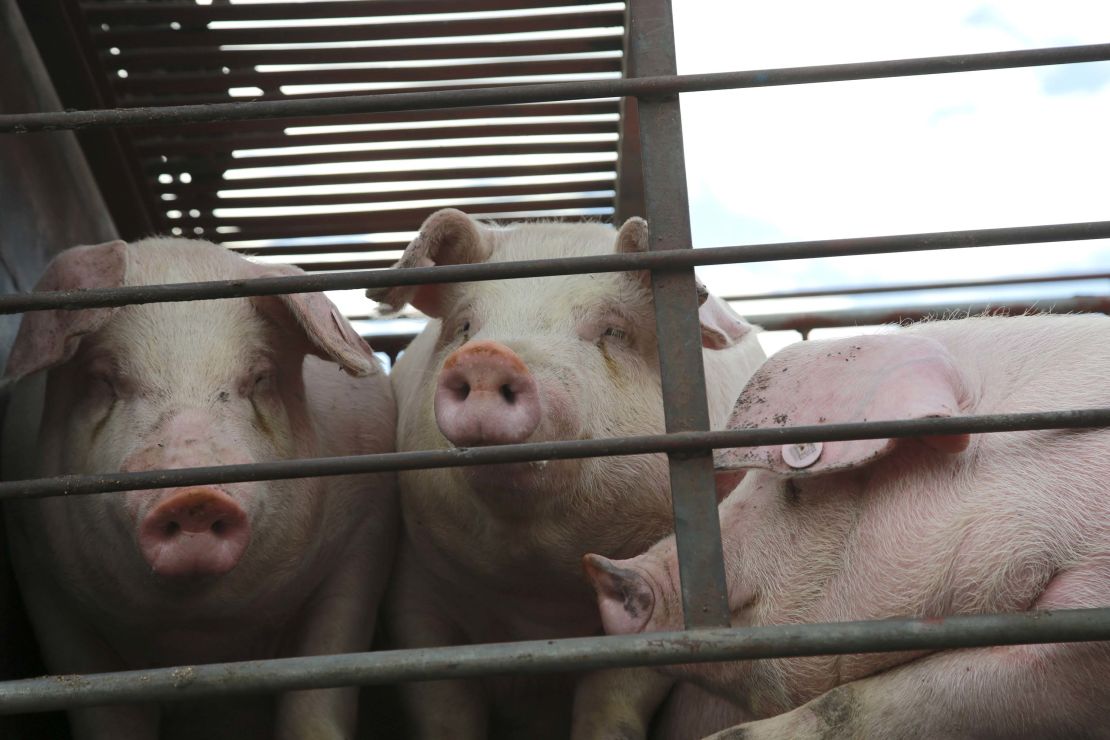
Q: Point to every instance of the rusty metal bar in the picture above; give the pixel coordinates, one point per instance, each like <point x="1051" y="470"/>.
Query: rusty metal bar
<point x="544" y="656"/>
<point x="914" y="287"/>
<point x="677" y="443"/>
<point x="674" y="292"/>
<point x="675" y="259"/>
<point x="393" y="343"/>
<point x="642" y="87"/>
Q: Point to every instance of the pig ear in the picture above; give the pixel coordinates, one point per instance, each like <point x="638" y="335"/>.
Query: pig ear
<point x="625" y="599"/>
<point x="875" y="378"/>
<point x="49" y="338"/>
<point x="721" y="327"/>
<point x="447" y="237"/>
<point x="329" y="334"/>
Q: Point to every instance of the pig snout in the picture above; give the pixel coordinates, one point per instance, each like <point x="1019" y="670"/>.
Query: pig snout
<point x="194" y="532"/>
<point x="486" y="395"/>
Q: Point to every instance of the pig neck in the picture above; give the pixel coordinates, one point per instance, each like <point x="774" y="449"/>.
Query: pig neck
<point x="515" y="554"/>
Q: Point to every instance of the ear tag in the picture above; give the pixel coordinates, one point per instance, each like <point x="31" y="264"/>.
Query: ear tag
<point x="801" y="455"/>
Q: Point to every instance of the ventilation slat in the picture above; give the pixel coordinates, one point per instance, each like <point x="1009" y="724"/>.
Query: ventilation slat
<point x="190" y="12"/>
<point x="408" y="219"/>
<point x="208" y="200"/>
<point x="579" y="108"/>
<point x="318" y="249"/>
<point x="203" y="144"/>
<point x="154" y="166"/>
<point x="358" y="32"/>
<point x="154" y="100"/>
<point x="215" y="57"/>
<point x="190" y="82"/>
<point x="215" y="179"/>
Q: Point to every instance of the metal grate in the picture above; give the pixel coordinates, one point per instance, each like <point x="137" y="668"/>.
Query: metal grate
<point x="687" y="440"/>
<point x="339" y="193"/>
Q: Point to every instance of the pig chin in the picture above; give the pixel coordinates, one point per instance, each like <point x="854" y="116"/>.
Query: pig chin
<point x="542" y="477"/>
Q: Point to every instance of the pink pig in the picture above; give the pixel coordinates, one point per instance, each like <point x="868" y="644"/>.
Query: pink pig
<point x="209" y="573"/>
<point x="492" y="553"/>
<point x="934" y="526"/>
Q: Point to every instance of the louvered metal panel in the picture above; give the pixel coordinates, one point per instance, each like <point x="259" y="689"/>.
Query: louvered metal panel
<point x="329" y="193"/>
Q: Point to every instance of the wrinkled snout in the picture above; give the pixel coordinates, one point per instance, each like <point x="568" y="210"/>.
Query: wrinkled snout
<point x="194" y="532"/>
<point x="486" y="395"/>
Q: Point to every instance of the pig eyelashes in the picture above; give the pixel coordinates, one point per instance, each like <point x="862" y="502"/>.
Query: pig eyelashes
<point x="615" y="333"/>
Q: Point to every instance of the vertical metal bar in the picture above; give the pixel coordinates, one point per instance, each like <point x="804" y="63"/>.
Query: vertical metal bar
<point x="697" y="530"/>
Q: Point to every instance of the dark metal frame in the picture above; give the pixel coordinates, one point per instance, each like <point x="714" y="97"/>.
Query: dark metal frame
<point x="688" y="441"/>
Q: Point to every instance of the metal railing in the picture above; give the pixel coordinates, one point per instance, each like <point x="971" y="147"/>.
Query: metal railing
<point x="687" y="441"/>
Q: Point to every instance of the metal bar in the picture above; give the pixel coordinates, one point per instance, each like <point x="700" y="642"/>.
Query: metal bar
<point x="555" y="91"/>
<point x="544" y="656"/>
<point x="674" y="443"/>
<point x="677" y="258"/>
<point x="912" y="287"/>
<point x="666" y="205"/>
<point x="396" y="341"/>
<point x="807" y="321"/>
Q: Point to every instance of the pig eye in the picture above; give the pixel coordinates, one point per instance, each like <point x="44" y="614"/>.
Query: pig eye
<point x="261" y="380"/>
<point x="101" y="384"/>
<point x="615" y="333"/>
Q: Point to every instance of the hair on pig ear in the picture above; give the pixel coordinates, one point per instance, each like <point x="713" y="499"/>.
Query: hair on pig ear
<point x="49" y="338"/>
<point x="328" y="334"/>
<point x="447" y="237"/>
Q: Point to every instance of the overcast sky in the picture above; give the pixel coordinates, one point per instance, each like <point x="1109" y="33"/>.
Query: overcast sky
<point x="955" y="151"/>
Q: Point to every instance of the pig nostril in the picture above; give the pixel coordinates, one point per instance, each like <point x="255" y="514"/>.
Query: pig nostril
<point x="218" y="527"/>
<point x="464" y="391"/>
<point x="172" y="528"/>
<point x="507" y="394"/>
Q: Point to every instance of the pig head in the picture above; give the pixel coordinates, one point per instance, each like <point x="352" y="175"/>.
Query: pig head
<point x="870" y="529"/>
<point x="161" y="386"/>
<point x="926" y="526"/>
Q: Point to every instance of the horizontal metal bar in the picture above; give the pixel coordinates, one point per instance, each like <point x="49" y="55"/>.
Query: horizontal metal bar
<point x="544" y="656"/>
<point x="676" y="258"/>
<point x="509" y="94"/>
<point x="913" y="287"/>
<point x="675" y="443"/>
<point x="394" y="342"/>
<point x="806" y="320"/>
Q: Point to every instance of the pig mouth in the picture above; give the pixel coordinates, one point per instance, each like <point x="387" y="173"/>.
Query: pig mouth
<point x="541" y="476"/>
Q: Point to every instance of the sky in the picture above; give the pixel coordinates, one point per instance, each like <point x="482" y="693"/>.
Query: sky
<point x="931" y="153"/>
<point x="943" y="152"/>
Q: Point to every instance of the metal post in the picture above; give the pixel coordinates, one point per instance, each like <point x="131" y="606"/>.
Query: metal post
<point x="697" y="530"/>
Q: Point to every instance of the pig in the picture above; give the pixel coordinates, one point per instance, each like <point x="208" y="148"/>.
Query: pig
<point x="209" y="573"/>
<point x="491" y="553"/>
<point x="926" y="527"/>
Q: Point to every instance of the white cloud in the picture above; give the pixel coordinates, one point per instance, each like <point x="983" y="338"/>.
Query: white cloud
<point x="930" y="153"/>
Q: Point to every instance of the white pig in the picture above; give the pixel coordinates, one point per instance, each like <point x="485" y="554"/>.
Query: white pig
<point x="493" y="553"/>
<point x="209" y="573"/>
<point x="925" y="527"/>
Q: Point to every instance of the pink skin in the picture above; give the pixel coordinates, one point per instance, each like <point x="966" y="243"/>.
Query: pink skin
<point x="486" y="395"/>
<point x="928" y="527"/>
<point x="193" y="533"/>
